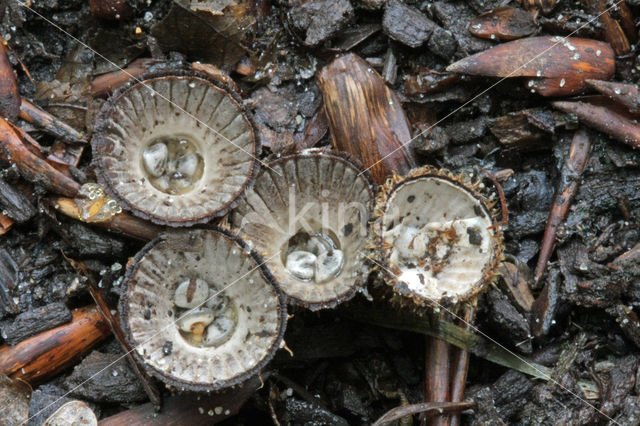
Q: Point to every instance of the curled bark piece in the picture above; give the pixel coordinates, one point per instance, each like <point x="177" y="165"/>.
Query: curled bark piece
<point x="568" y="62"/>
<point x="365" y="117"/>
<point x="617" y="22"/>
<point x="503" y="23"/>
<point x="50" y="352"/>
<point x="37" y="116"/>
<point x="15" y="204"/>
<point x="426" y="81"/>
<point x="574" y="166"/>
<point x="32" y="167"/>
<point x="614" y="34"/>
<point x="9" y="93"/>
<point x="515" y="286"/>
<point x="121" y="223"/>
<point x="625" y="94"/>
<point x="605" y="120"/>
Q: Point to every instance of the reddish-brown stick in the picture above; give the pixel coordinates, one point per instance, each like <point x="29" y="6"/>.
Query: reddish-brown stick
<point x="460" y="362"/>
<point x="574" y="166"/>
<point x="437" y="375"/>
<point x="622" y="93"/>
<point x="605" y="120"/>
<point x="46" y="354"/>
<point x="9" y="93"/>
<point x="32" y="167"/>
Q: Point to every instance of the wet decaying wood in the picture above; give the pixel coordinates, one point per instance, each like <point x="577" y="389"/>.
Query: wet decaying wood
<point x="32" y="167"/>
<point x="365" y="117"/>
<point x="187" y="409"/>
<point x="46" y="354"/>
<point x="528" y="128"/>
<point x="504" y="23"/>
<point x="409" y="26"/>
<point x="9" y="93"/>
<point x="106" y="378"/>
<point x="14" y="204"/>
<point x="35" y="321"/>
<point x="555" y="66"/>
<point x="35" y="115"/>
<point x="608" y="120"/>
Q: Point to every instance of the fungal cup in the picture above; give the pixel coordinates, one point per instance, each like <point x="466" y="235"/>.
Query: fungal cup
<point x="201" y="310"/>
<point x="308" y="216"/>
<point x="174" y="149"/>
<point x="436" y="237"/>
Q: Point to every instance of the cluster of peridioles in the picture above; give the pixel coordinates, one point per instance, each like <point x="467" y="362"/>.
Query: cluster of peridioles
<point x="219" y="295"/>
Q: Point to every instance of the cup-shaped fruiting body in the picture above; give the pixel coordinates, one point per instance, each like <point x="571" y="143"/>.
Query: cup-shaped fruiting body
<point x="307" y="214"/>
<point x="436" y="237"/>
<point x="201" y="310"/>
<point x="174" y="149"/>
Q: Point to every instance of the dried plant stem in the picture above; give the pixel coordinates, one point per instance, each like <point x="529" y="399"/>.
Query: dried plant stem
<point x="122" y="223"/>
<point x="384" y="316"/>
<point x="35" y="115"/>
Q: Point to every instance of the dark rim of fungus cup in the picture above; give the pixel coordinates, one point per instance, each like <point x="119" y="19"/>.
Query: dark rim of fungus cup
<point x="162" y="164"/>
<point x="241" y="292"/>
<point x="319" y="257"/>
<point x="436" y="236"/>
